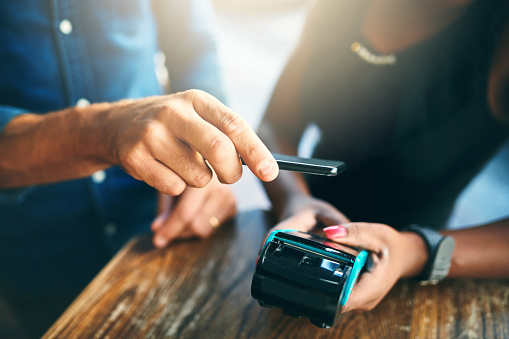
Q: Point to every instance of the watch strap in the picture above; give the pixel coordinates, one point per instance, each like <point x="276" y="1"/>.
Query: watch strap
<point x="440" y="249"/>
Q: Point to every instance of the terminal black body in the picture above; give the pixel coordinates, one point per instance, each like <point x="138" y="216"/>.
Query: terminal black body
<point x="304" y="275"/>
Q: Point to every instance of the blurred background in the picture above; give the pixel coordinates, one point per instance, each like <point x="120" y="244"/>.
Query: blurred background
<point x="255" y="37"/>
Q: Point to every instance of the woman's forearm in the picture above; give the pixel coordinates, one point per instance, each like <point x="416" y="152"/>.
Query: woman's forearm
<point x="481" y="252"/>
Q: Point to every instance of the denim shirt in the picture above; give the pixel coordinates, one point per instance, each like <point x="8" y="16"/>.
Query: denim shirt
<point x="58" y="53"/>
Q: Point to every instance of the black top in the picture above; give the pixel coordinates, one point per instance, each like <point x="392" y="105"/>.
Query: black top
<point x="413" y="133"/>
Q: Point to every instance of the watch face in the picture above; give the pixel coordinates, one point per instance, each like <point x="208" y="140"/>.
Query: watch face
<point x="323" y="244"/>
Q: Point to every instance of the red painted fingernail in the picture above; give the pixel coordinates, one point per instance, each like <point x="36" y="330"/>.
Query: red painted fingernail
<point x="338" y="231"/>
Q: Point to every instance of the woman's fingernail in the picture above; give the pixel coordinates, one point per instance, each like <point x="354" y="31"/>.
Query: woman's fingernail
<point x="338" y="231"/>
<point x="159" y="241"/>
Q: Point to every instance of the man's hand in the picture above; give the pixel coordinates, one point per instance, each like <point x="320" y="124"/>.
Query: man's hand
<point x="394" y="254"/>
<point x="195" y="213"/>
<point x="165" y="140"/>
<point x="161" y="140"/>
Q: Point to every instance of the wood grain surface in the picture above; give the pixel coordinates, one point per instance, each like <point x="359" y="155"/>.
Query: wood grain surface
<point x="201" y="289"/>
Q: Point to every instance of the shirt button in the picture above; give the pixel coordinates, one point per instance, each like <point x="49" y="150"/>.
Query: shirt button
<point x="110" y="229"/>
<point x="65" y="27"/>
<point x="82" y="102"/>
<point x="98" y="177"/>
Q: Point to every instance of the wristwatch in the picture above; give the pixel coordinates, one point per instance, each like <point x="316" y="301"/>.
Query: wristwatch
<point x="440" y="250"/>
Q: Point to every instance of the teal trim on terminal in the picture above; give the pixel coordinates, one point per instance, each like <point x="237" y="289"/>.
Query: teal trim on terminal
<point x="360" y="261"/>
<point x="269" y="239"/>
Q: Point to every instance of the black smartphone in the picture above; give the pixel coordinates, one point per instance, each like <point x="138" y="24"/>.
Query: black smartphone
<point x="308" y="165"/>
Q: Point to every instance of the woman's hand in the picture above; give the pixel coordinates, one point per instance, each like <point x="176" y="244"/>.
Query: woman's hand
<point x="303" y="212"/>
<point x="196" y="213"/>
<point x="394" y="254"/>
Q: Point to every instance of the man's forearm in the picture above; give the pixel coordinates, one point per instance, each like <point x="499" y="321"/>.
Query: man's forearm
<point x="162" y="140"/>
<point x="67" y="144"/>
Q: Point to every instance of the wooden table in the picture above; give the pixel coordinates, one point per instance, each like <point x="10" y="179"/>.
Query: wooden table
<point x="201" y="289"/>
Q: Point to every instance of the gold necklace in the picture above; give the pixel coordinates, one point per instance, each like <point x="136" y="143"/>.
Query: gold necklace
<point x="369" y="57"/>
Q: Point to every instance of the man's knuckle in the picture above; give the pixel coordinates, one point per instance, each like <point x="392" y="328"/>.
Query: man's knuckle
<point x="131" y="157"/>
<point x="200" y="179"/>
<point x="253" y="152"/>
<point x="188" y="93"/>
<point x="193" y="94"/>
<point x="164" y="111"/>
<point x="220" y="148"/>
<point x="174" y="187"/>
<point x="150" y="130"/>
<point x="231" y="177"/>
<point x="234" y="125"/>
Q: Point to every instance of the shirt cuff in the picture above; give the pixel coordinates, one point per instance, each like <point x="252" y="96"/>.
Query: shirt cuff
<point x="7" y="113"/>
<point x="11" y="195"/>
